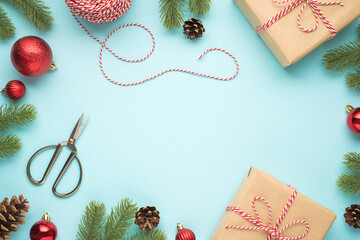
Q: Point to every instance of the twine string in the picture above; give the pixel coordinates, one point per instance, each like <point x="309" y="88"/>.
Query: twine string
<point x="314" y="5"/>
<point x="103" y="13"/>
<point x="273" y="231"/>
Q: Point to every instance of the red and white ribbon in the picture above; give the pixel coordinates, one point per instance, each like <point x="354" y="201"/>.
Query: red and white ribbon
<point x="101" y="11"/>
<point x="314" y="4"/>
<point x="274" y="232"/>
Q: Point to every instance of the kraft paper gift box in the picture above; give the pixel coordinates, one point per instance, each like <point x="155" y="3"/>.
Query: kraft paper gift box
<point x="284" y="37"/>
<point x="260" y="184"/>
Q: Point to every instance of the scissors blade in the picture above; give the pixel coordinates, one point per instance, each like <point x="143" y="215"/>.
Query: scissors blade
<point x="73" y="134"/>
<point x="81" y="128"/>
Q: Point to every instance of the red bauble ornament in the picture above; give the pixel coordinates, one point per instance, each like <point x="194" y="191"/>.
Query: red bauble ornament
<point x="353" y="119"/>
<point x="32" y="56"/>
<point x="44" y="229"/>
<point x="184" y="234"/>
<point x="14" y="89"/>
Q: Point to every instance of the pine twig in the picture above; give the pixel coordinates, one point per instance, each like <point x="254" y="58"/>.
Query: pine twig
<point x="153" y="235"/>
<point x="352" y="160"/>
<point x="199" y="7"/>
<point x="7" y="28"/>
<point x="120" y="220"/>
<point x="92" y="222"/>
<point x="344" y="57"/>
<point x="14" y="114"/>
<point x="35" y="11"/>
<point x="172" y="13"/>
<point x="9" y="145"/>
<point x="353" y="79"/>
<point x="349" y="182"/>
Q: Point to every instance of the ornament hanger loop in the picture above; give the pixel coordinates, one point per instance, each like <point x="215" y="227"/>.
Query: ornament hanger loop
<point x="349" y="108"/>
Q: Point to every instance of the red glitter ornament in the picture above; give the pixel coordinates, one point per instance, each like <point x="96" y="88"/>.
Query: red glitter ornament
<point x="43" y="229"/>
<point x="353" y="119"/>
<point x="32" y="56"/>
<point x="184" y="234"/>
<point x="14" y="89"/>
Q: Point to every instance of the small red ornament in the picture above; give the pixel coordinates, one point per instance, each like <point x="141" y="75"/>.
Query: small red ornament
<point x="32" y="56"/>
<point x="184" y="234"/>
<point x="43" y="229"/>
<point x="353" y="119"/>
<point x="14" y="89"/>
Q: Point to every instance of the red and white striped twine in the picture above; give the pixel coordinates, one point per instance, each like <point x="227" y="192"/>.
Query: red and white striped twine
<point x="96" y="13"/>
<point x="315" y="9"/>
<point x="273" y="231"/>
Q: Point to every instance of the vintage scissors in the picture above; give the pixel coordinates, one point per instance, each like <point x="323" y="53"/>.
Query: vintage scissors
<point x="70" y="144"/>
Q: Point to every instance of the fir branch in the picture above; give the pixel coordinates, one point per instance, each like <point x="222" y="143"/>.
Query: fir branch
<point x="7" y="28"/>
<point x="358" y="28"/>
<point x="92" y="222"/>
<point x="349" y="182"/>
<point x="199" y="7"/>
<point x="35" y="11"/>
<point x="352" y="160"/>
<point x="120" y="220"/>
<point x="14" y="114"/>
<point x="172" y="13"/>
<point x="9" y="145"/>
<point x="344" y="57"/>
<point x="153" y="235"/>
<point x="353" y="79"/>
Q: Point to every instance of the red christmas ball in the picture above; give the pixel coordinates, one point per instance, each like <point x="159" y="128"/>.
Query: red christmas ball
<point x="184" y="234"/>
<point x="43" y="229"/>
<point x="31" y="56"/>
<point x="353" y="119"/>
<point x="14" y="89"/>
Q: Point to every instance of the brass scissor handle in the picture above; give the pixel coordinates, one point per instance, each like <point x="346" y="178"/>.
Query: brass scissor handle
<point x="52" y="161"/>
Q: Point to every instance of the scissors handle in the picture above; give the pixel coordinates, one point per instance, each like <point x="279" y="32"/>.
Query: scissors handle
<point x="48" y="169"/>
<point x="52" y="161"/>
<point x="63" y="170"/>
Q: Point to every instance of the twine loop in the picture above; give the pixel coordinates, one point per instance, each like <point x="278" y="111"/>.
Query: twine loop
<point x="314" y="5"/>
<point x="272" y="230"/>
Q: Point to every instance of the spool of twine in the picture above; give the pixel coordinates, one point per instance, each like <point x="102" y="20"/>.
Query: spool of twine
<point x="99" y="11"/>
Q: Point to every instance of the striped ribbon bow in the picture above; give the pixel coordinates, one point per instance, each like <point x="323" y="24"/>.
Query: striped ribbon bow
<point x="314" y="4"/>
<point x="274" y="232"/>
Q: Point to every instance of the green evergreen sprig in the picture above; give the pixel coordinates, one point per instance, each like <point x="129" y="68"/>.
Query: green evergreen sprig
<point x="35" y="11"/>
<point x="95" y="225"/>
<point x="7" y="28"/>
<point x="92" y="222"/>
<point x="346" y="57"/>
<point x="172" y="12"/>
<point x="353" y="79"/>
<point x="9" y="145"/>
<point x="342" y="58"/>
<point x="15" y="114"/>
<point x="199" y="7"/>
<point x="10" y="116"/>
<point x="120" y="220"/>
<point x="349" y="182"/>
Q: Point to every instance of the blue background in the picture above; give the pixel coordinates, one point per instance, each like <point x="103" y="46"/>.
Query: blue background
<point x="182" y="143"/>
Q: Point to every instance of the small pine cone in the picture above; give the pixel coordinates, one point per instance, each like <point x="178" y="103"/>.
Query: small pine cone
<point x="193" y="28"/>
<point x="147" y="218"/>
<point x="352" y="215"/>
<point x="11" y="215"/>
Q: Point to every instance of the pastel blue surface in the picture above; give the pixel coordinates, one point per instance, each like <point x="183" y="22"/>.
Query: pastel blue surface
<point x="182" y="143"/>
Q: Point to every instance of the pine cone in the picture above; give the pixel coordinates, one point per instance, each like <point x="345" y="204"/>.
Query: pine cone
<point x="193" y="28"/>
<point x="352" y="215"/>
<point x="147" y="218"/>
<point x="11" y="215"/>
